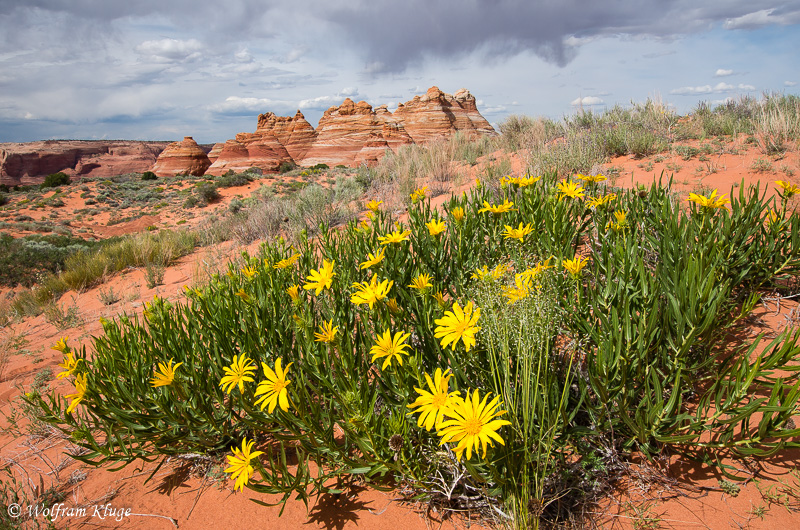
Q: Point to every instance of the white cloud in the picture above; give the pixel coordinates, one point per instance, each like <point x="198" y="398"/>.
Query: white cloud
<point x="719" y="88"/>
<point x="319" y="103"/>
<point x="715" y="102"/>
<point x="237" y="105"/>
<point x="722" y="72"/>
<point x="586" y="101"/>
<point x="349" y="92"/>
<point x="170" y="50"/>
<point x="763" y="17"/>
<point x="789" y="83"/>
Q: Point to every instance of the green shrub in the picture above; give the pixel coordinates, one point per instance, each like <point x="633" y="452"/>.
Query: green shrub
<point x="3" y="198"/>
<point x="319" y="167"/>
<point x="592" y="360"/>
<point x="286" y="166"/>
<point x="55" y="180"/>
<point x="149" y="175"/>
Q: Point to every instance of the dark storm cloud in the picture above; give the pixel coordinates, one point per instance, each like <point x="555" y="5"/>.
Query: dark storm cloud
<point x="393" y="34"/>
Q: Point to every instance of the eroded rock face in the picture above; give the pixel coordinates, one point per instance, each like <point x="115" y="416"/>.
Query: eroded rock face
<point x="439" y="115"/>
<point x="31" y="162"/>
<point x="182" y="158"/>
<point x="263" y="151"/>
<point x="354" y="133"/>
<point x="294" y="133"/>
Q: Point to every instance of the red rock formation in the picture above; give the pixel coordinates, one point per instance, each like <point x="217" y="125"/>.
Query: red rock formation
<point x="215" y="151"/>
<point x="294" y="133"/>
<point x="353" y="133"/>
<point x="31" y="162"/>
<point x="182" y="158"/>
<point x="261" y="150"/>
<point x="436" y="115"/>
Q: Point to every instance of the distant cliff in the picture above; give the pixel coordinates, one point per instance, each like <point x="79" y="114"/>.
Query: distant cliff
<point x="30" y="162"/>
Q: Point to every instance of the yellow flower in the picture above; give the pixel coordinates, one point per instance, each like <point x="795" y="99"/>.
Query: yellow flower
<point x="788" y="188"/>
<point x="327" y="332"/>
<point x="774" y="218"/>
<point x="374" y="259"/>
<point x="321" y="279"/>
<point x="80" y="392"/>
<point x="458" y="324"/>
<point x="590" y="178"/>
<point x="528" y="181"/>
<point x="529" y="275"/>
<point x="274" y="388"/>
<point x="521" y="289"/>
<point x="391" y="303"/>
<point x="240" y="371"/>
<point x="288" y="262"/>
<point x="294" y="292"/>
<point x="363" y="226"/>
<point x="596" y="202"/>
<point x="69" y="365"/>
<point x="389" y="347"/>
<point x="499" y="270"/>
<point x="498" y="209"/>
<point x="249" y="272"/>
<point x="421" y="281"/>
<point x="575" y="266"/>
<point x="394" y="237"/>
<point x="569" y="189"/>
<point x="712" y="202"/>
<point x="433" y="405"/>
<point x="517" y="233"/>
<point x="481" y="274"/>
<point x="418" y="194"/>
<point x="457" y="213"/>
<point x="61" y="345"/>
<point x="374" y="205"/>
<point x="436" y="227"/>
<point x="439" y="297"/>
<point x="369" y="293"/>
<point x="239" y="464"/>
<point x="243" y="295"/>
<point x="166" y="374"/>
<point x="472" y="424"/>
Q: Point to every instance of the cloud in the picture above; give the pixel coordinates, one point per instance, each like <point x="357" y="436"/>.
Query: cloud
<point x="239" y="106"/>
<point x="722" y="72"/>
<point x="170" y="50"/>
<point x="586" y="101"/>
<point x="789" y="83"/>
<point x="765" y="17"/>
<point x="719" y="88"/>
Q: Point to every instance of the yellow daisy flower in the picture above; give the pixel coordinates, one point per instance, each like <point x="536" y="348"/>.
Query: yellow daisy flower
<point x="788" y="189"/>
<point x="249" y="272"/>
<point x="372" y="292"/>
<point x="458" y="325"/>
<point x="294" y="292"/>
<point x="239" y="464"/>
<point x="69" y="365"/>
<point x="575" y="266"/>
<point x="389" y="347"/>
<point x="373" y="259"/>
<point x="517" y="233"/>
<point x="457" y="213"/>
<point x="394" y="237"/>
<point x="61" y="345"/>
<point x="472" y="424"/>
<point x="288" y="262"/>
<point x="239" y="372"/>
<point x="374" y="205"/>
<point x="421" y="281"/>
<point x="80" y="392"/>
<point x="436" y="227"/>
<point x="327" y="332"/>
<point x="711" y="202"/>
<point x="321" y="279"/>
<point x="497" y="209"/>
<point x="569" y="189"/>
<point x="273" y="391"/>
<point x="165" y="374"/>
<point x="433" y="405"/>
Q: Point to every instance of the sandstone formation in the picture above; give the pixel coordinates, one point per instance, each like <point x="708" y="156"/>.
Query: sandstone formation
<point x="436" y="115"/>
<point x="30" y="162"/>
<point x="350" y="134"/>
<point x="179" y="158"/>
<point x="353" y="133"/>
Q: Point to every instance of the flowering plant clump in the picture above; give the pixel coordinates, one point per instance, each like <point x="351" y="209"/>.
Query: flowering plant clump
<point x="501" y="354"/>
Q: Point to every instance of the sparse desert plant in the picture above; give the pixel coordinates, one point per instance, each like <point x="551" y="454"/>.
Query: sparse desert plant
<point x="55" y="180"/>
<point x="761" y="165"/>
<point x="61" y="317"/>
<point x="108" y="297"/>
<point x="149" y="175"/>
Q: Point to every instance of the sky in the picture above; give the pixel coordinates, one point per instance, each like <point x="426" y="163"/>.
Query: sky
<point x="165" y="69"/>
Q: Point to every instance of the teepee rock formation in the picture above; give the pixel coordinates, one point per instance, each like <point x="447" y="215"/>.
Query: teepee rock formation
<point x="184" y="157"/>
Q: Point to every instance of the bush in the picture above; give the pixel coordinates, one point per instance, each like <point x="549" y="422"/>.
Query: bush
<point x="286" y="166"/>
<point x="319" y="167"/>
<point x="206" y="193"/>
<point x="591" y="359"/>
<point x="149" y="175"/>
<point x="55" y="180"/>
<point x="3" y="198"/>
